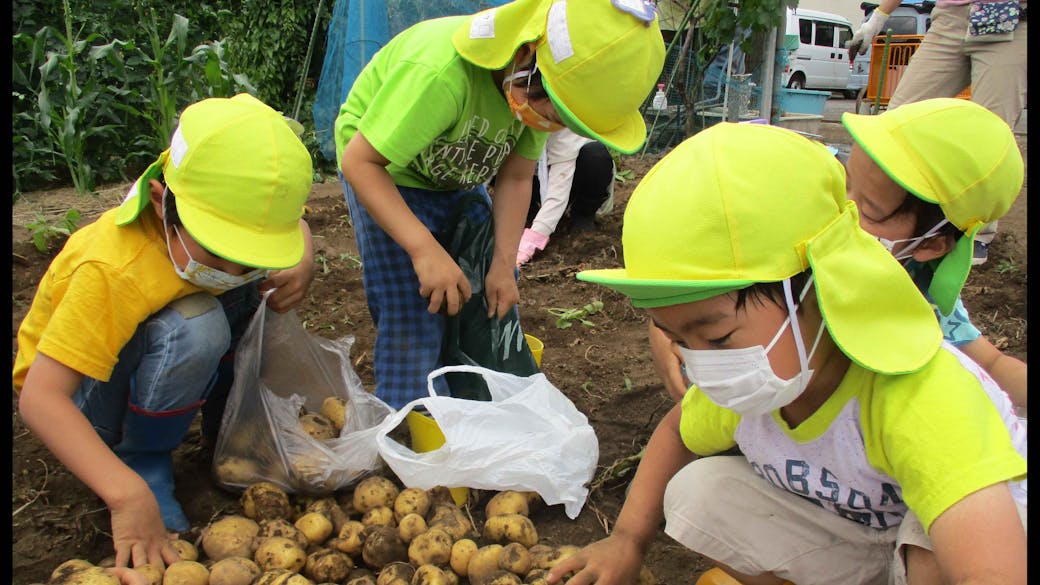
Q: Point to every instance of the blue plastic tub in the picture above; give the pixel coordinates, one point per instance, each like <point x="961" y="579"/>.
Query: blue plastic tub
<point x="803" y="101"/>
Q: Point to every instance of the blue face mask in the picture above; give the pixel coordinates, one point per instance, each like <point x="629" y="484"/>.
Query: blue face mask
<point x="204" y="276"/>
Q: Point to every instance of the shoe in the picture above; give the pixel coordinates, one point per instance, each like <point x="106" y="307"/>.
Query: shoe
<point x="980" y="254"/>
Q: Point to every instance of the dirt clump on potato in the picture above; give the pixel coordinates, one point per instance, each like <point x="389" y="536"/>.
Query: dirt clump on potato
<point x="382" y="546"/>
<point x="515" y="558"/>
<point x="327" y="565"/>
<point x="451" y="519"/>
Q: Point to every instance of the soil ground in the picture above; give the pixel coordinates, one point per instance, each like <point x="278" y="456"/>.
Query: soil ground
<point x="604" y="369"/>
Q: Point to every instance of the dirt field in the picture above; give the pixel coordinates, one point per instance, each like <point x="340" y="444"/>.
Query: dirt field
<point x="605" y="369"/>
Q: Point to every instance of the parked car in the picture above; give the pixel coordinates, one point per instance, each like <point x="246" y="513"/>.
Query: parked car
<point x="909" y="18"/>
<point x="821" y="59"/>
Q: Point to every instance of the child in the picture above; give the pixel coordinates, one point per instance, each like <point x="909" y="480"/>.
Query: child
<point x="870" y="450"/>
<point x="576" y="175"/>
<point x="122" y="343"/>
<point x="441" y="108"/>
<point x="926" y="178"/>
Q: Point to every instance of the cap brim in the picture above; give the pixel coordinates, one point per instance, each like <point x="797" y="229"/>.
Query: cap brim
<point x="247" y="246"/>
<point x="872" y="308"/>
<point x="952" y="272"/>
<point x="889" y="154"/>
<point x="627" y="138"/>
<point x="139" y="194"/>
<point x="648" y="294"/>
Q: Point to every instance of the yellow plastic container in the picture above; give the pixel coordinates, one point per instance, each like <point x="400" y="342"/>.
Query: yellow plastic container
<point x="536" y="346"/>
<point x="427" y="436"/>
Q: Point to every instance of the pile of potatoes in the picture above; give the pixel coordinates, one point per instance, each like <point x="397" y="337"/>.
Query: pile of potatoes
<point x="375" y="534"/>
<point x="250" y="462"/>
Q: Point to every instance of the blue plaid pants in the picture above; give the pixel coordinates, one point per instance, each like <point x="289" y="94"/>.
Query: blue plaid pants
<point x="408" y="337"/>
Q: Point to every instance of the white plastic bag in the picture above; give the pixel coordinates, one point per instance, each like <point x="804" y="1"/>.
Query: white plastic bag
<point x="279" y="368"/>
<point x="528" y="437"/>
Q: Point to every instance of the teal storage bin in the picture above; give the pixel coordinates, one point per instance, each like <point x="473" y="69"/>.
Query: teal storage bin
<point x="803" y="101"/>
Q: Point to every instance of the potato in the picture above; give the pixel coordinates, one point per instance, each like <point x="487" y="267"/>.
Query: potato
<point x="440" y="495"/>
<point x="432" y="547"/>
<point x="319" y="427"/>
<point x="451" y="519"/>
<point x="461" y="552"/>
<point x="282" y="577"/>
<point x="396" y="573"/>
<point x="327" y="565"/>
<point x="352" y="535"/>
<point x="107" y="562"/>
<point x="382" y="546"/>
<point x="501" y="577"/>
<point x="335" y="409"/>
<point x="511" y="528"/>
<point x="331" y="510"/>
<point x="515" y="559"/>
<point x="230" y="536"/>
<point x="483" y="563"/>
<point x="237" y="470"/>
<point x="507" y="502"/>
<point x="374" y="491"/>
<point x="411" y="501"/>
<point x="450" y="576"/>
<point x="378" y="516"/>
<point x="265" y="501"/>
<point x="153" y="574"/>
<point x="429" y="575"/>
<point x="279" y="527"/>
<point x="69" y="567"/>
<point x="186" y="573"/>
<point x="536" y="577"/>
<point x="360" y="576"/>
<point x="233" y="571"/>
<point x="86" y="576"/>
<point x="185" y="550"/>
<point x="315" y="526"/>
<point x="278" y="552"/>
<point x="411" y="526"/>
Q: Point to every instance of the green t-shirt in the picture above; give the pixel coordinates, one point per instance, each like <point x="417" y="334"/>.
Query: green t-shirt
<point x="440" y="120"/>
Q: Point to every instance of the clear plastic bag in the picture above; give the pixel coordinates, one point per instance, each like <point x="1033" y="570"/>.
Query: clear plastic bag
<point x="528" y="437"/>
<point x="279" y="369"/>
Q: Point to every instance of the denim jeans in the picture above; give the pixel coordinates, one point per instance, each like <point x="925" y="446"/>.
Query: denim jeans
<point x="170" y="364"/>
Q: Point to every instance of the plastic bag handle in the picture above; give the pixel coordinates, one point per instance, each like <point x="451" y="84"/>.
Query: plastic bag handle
<point x="480" y="371"/>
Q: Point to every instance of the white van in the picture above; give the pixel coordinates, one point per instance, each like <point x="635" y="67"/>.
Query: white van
<point x="911" y="17"/>
<point x="821" y="60"/>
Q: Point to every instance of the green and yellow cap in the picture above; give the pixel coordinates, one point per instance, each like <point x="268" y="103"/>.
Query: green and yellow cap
<point x="952" y="152"/>
<point x="241" y="176"/>
<point x="739" y="204"/>
<point x="587" y="49"/>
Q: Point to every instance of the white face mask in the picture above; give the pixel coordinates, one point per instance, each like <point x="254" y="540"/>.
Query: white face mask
<point x="908" y="250"/>
<point x="742" y="380"/>
<point x="204" y="276"/>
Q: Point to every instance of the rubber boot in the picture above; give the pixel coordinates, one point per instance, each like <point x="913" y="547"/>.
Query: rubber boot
<point x="149" y="439"/>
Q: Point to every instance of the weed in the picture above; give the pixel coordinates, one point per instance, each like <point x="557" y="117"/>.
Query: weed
<point x="566" y="317"/>
<point x="624" y="175"/>
<point x="43" y="231"/>
<point x="353" y="260"/>
<point x="1007" y="266"/>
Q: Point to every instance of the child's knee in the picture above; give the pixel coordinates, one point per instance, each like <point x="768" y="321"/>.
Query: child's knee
<point x="196" y="325"/>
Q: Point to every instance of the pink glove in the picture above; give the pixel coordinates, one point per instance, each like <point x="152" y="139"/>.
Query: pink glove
<point x="530" y="243"/>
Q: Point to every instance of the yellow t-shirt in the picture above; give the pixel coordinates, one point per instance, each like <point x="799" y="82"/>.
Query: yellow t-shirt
<point x="104" y="283"/>
<point x="879" y="444"/>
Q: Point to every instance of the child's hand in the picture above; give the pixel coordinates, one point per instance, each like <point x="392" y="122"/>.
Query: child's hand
<point x="128" y="576"/>
<point x="615" y="560"/>
<point x="290" y="286"/>
<point x="500" y="290"/>
<point x="441" y="280"/>
<point x="138" y="533"/>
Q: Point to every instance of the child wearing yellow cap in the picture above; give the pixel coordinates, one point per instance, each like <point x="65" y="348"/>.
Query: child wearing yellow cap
<point x="870" y="450"/>
<point x="132" y="324"/>
<point x="926" y="177"/>
<point x="449" y="103"/>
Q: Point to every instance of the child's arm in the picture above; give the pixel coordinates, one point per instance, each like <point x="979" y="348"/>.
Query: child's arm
<point x="666" y="363"/>
<point x="1008" y="372"/>
<point x="617" y="558"/>
<point x="979" y="540"/>
<point x="440" y="278"/>
<point x="510" y="203"/>
<point x="291" y="284"/>
<point x="46" y="406"/>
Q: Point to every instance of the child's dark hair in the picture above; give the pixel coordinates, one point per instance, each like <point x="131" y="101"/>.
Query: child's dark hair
<point x="773" y="291"/>
<point x="170" y="208"/>
<point x="926" y="215"/>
